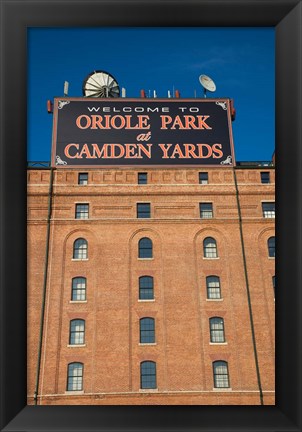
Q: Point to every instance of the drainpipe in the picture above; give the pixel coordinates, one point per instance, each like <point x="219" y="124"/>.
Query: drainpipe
<point x="44" y="286"/>
<point x="248" y="290"/>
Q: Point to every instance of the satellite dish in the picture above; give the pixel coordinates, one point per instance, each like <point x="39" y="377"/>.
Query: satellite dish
<point x="207" y="83"/>
<point x="100" y="84"/>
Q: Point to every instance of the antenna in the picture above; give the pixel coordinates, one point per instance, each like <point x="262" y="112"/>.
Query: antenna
<point x="66" y="87"/>
<point x="207" y="84"/>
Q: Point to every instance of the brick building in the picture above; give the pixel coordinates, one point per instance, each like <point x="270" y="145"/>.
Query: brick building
<point x="156" y="286"/>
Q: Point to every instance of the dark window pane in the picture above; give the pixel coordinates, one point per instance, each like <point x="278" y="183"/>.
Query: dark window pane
<point x="221" y="376"/>
<point x="268" y="209"/>
<point x="206" y="210"/>
<point x="142" y="178"/>
<point x="213" y="287"/>
<point x="271" y="247"/>
<point x="75" y="377"/>
<point x="209" y="248"/>
<point x="80" y="249"/>
<point x="146" y="288"/>
<point x="265" y="177"/>
<point x="83" y="179"/>
<point x="148" y="375"/>
<point x="78" y="289"/>
<point x="147" y="330"/>
<point x="77" y="332"/>
<point x="145" y="248"/>
<point x="217" y="330"/>
<point x="144" y="210"/>
<point x="203" y="178"/>
<point x="82" y="211"/>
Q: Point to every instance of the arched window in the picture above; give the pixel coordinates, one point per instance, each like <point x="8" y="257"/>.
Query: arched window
<point x="213" y="287"/>
<point x="146" y="291"/>
<point x="145" y="248"/>
<point x="75" y="377"/>
<point x="78" y="290"/>
<point x="80" y="249"/>
<point x="77" y="332"/>
<point x="217" y="330"/>
<point x="148" y="375"/>
<point x="271" y="246"/>
<point x="221" y="374"/>
<point x="210" y="248"/>
<point x="147" y="330"/>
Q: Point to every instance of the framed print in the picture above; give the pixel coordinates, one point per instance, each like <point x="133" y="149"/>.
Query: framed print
<point x="17" y="413"/>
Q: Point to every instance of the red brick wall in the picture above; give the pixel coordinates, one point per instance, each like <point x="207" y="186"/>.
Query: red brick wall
<point x="183" y="353"/>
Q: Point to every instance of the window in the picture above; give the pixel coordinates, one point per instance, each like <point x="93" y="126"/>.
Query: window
<point x="265" y="178"/>
<point x="206" y="210"/>
<point x="75" y="377"/>
<point x="274" y="285"/>
<point x="82" y="211"/>
<point x="80" y="249"/>
<point x="83" y="179"/>
<point x="143" y="210"/>
<point x="148" y="375"/>
<point x="210" y="248"/>
<point x="203" y="178"/>
<point x="213" y="287"/>
<point x="78" y="292"/>
<point x="271" y="247"/>
<point x="145" y="249"/>
<point x="142" y="178"/>
<point x="147" y="330"/>
<point x="268" y="209"/>
<point x="221" y="374"/>
<point x="217" y="330"/>
<point x="146" y="291"/>
<point x="77" y="332"/>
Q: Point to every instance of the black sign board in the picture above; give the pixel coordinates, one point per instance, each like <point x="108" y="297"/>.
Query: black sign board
<point x="152" y="132"/>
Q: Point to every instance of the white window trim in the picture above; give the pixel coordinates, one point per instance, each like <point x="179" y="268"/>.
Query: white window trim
<point x="146" y="300"/>
<point x="216" y="300"/>
<point x="76" y="345"/>
<point x="77" y="301"/>
<point x="148" y="344"/>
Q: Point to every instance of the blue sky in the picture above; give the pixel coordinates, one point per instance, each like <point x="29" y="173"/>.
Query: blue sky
<point x="241" y="61"/>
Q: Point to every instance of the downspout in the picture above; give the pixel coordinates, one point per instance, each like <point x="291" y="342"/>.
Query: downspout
<point x="248" y="290"/>
<point x="44" y="286"/>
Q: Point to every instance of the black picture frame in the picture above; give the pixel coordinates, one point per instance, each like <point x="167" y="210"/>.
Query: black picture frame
<point x="16" y="17"/>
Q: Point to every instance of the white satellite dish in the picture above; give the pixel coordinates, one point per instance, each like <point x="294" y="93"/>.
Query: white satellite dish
<point x="207" y="84"/>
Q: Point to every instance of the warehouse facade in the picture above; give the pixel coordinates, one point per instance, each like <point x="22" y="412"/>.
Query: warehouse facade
<point x="151" y="285"/>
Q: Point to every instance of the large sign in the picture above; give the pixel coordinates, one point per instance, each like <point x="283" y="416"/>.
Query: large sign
<point x="152" y="132"/>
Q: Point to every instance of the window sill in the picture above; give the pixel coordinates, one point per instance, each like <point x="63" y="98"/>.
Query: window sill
<point x="79" y="259"/>
<point x="148" y="344"/>
<point x="76" y="345"/>
<point x="74" y="392"/>
<point x="148" y="390"/>
<point x="215" y="300"/>
<point x="222" y="389"/>
<point x="78" y="301"/>
<point x="208" y="258"/>
<point x="145" y="259"/>
<point x="146" y="300"/>
<point x="218" y="343"/>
